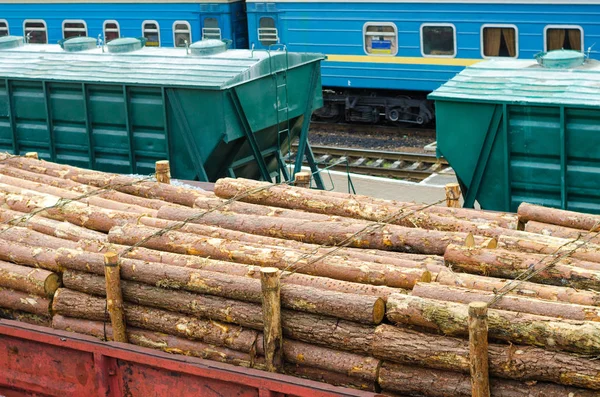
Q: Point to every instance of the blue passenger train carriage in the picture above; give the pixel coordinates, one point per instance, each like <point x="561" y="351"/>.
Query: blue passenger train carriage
<point x="164" y="23"/>
<point x="377" y="48"/>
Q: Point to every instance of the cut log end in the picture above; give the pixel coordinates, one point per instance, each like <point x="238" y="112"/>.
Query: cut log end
<point x="111" y="259"/>
<point x="378" y="311"/>
<point x="32" y="155"/>
<point x="51" y="284"/>
<point x="478" y="309"/>
<point x="426" y="277"/>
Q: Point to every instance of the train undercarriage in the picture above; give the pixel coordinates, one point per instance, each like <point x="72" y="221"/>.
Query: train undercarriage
<point x="374" y="107"/>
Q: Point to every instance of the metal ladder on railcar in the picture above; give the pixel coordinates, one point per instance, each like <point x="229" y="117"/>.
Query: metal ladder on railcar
<point x="280" y="78"/>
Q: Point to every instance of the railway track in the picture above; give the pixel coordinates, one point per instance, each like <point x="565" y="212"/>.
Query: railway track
<point x="398" y="165"/>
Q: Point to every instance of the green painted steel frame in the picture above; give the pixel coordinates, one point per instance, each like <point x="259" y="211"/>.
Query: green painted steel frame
<point x="88" y="125"/>
<point x="11" y="117"/>
<point x="132" y="159"/>
<point x="49" y="124"/>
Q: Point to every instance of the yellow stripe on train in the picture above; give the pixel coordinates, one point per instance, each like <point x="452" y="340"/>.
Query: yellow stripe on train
<point x="403" y="60"/>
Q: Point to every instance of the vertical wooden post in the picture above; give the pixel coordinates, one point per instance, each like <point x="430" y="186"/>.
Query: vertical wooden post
<point x="302" y="179"/>
<point x="271" y="306"/>
<point x="478" y="349"/>
<point x="163" y="171"/>
<point x="32" y="155"/>
<point x="453" y="195"/>
<point x="114" y="297"/>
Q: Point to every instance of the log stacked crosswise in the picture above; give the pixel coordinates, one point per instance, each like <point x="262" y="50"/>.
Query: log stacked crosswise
<point x="373" y="294"/>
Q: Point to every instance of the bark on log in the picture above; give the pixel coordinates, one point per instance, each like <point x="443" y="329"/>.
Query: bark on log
<point x="19" y="186"/>
<point x="330" y="377"/>
<point x="412" y="381"/>
<point x="24" y="317"/>
<point x="351" y="206"/>
<point x="126" y="184"/>
<point x="524" y="363"/>
<point x="271" y="308"/>
<point x="581" y="337"/>
<point x="478" y="349"/>
<point x="22" y="301"/>
<point x="50" y="227"/>
<point x="26" y="255"/>
<point x="33" y="281"/>
<point x="75" y="304"/>
<point x="114" y="296"/>
<point x="33" y="238"/>
<point x="91" y="217"/>
<point x="163" y="171"/>
<point x="246" y="314"/>
<point x="432" y="264"/>
<point x="503" y="263"/>
<point x="562" y="232"/>
<point x="80" y="187"/>
<point x="525" y="288"/>
<point x="586" y="252"/>
<point x="332" y="267"/>
<point x="335" y="231"/>
<point x="196" y="262"/>
<point x="367" y="309"/>
<point x="508" y="302"/>
<point x="554" y="216"/>
<point x="156" y="340"/>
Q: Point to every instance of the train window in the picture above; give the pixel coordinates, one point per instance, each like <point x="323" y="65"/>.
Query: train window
<point x="111" y="30"/>
<point x="74" y="29"/>
<point x="211" y="29"/>
<point x="438" y="40"/>
<point x="267" y="32"/>
<point x="151" y="32"/>
<point x="3" y="28"/>
<point x="499" y="41"/>
<point x="182" y="33"/>
<point x="563" y="37"/>
<point x="35" y="31"/>
<point x="380" y="38"/>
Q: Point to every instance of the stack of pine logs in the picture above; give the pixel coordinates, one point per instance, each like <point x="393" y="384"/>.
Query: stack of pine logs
<point x="386" y="309"/>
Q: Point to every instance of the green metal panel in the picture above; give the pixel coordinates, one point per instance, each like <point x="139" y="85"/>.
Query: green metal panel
<point x="542" y="150"/>
<point x="123" y="112"/>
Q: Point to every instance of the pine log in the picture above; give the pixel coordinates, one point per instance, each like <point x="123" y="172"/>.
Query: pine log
<point x="353" y="307"/>
<point x="332" y="267"/>
<point x="75" y="304"/>
<point x="19" y="186"/>
<point x="246" y="314"/>
<point x="22" y="301"/>
<point x="525" y="288"/>
<point x="80" y="187"/>
<point x="351" y="206"/>
<point x="554" y="216"/>
<point x="24" y="317"/>
<point x="114" y="296"/>
<point x="524" y="363"/>
<point x="577" y="249"/>
<point x="503" y="263"/>
<point x="33" y="281"/>
<point x="196" y="262"/>
<point x="26" y="255"/>
<point x="33" y="238"/>
<point x="335" y="231"/>
<point x="330" y="377"/>
<point x="271" y="308"/>
<point x="416" y="381"/>
<point x="50" y="227"/>
<point x="163" y="171"/>
<point x="125" y="184"/>
<point x="508" y="302"/>
<point x="155" y="340"/>
<point x="452" y="195"/>
<point x="581" y="337"/>
<point x="478" y="349"/>
<point x="79" y="214"/>
<point x="560" y="231"/>
<point x="432" y="264"/>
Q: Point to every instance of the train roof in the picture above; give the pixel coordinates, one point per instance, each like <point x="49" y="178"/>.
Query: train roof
<point x="114" y="1"/>
<point x="147" y="66"/>
<point x="524" y="81"/>
<point x="502" y="2"/>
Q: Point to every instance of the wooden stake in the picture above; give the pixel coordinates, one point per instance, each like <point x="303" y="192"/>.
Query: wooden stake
<point x="302" y="179"/>
<point x="453" y="195"/>
<point x="271" y="304"/>
<point x="163" y="171"/>
<point x="478" y="349"/>
<point x="114" y="297"/>
<point x="32" y="155"/>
